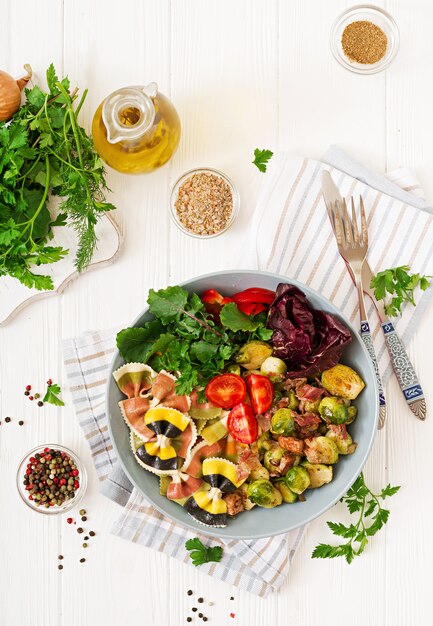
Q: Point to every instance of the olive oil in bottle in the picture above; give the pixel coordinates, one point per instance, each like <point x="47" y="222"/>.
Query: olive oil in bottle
<point x="136" y="129"/>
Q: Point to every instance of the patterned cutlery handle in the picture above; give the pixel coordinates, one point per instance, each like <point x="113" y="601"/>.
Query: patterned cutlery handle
<point x="368" y="342"/>
<point x="407" y="378"/>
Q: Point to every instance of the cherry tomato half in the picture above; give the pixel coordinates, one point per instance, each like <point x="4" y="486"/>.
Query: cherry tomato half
<point x="260" y="391"/>
<point x="226" y="390"/>
<point x="242" y="424"/>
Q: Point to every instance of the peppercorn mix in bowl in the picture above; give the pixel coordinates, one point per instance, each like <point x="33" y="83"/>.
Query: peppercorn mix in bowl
<point x="204" y="203"/>
<point x="51" y="479"/>
<point x="364" y="39"/>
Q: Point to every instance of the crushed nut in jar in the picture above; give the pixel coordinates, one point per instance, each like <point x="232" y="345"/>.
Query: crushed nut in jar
<point x="204" y="204"/>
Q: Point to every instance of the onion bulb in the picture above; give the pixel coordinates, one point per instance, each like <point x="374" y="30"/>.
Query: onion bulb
<point x="10" y="93"/>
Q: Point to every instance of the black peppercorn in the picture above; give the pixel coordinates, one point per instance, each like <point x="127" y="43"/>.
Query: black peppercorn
<point x="40" y="403"/>
<point x="21" y="422"/>
<point x="189" y="592"/>
<point x="92" y="534"/>
<point x="205" y="618"/>
<point x="60" y="566"/>
<point x="194" y="609"/>
<point x="200" y="600"/>
<point x="200" y="614"/>
<point x="7" y="420"/>
<point x="82" y="560"/>
<point x="189" y="619"/>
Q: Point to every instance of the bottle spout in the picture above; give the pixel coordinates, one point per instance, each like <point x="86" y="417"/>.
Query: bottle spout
<point x="151" y="90"/>
<point x="128" y="113"/>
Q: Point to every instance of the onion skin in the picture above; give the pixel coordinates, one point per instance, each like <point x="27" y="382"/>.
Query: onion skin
<point x="10" y="93"/>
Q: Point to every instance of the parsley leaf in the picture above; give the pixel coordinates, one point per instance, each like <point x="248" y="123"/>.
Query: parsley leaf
<point x="261" y="158"/>
<point x="360" y="499"/>
<point x="235" y="320"/>
<point x="52" y="395"/>
<point x="199" y="553"/>
<point x="399" y="283"/>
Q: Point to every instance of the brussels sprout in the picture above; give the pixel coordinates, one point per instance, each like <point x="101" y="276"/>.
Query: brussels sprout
<point x="283" y="422"/>
<point x="259" y="473"/>
<point x="319" y="474"/>
<point x="273" y="368"/>
<point x="265" y="442"/>
<point x="312" y="406"/>
<point x="263" y="493"/>
<point x="321" y="450"/>
<point x="342" y="381"/>
<point x="293" y="400"/>
<point x="273" y="457"/>
<point x="344" y="443"/>
<point x="297" y="479"/>
<point x="234" y="369"/>
<point x="334" y="410"/>
<point x="248" y="505"/>
<point x="353" y="412"/>
<point x="288" y="494"/>
<point x="252" y="354"/>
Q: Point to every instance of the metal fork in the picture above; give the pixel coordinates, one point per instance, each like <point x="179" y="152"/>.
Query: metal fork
<point x="353" y="247"/>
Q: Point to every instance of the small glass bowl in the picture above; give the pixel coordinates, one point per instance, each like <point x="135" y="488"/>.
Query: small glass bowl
<point x="175" y="192"/>
<point x="69" y="504"/>
<point x="369" y="13"/>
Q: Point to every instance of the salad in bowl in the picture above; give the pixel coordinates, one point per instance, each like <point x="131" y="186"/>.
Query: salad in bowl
<point x="237" y="401"/>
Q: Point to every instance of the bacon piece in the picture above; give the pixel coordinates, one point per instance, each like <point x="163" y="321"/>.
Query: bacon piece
<point x="280" y="468"/>
<point x="307" y="424"/>
<point x="292" y="444"/>
<point x="163" y="386"/>
<point x="339" y="429"/>
<point x="133" y="411"/>
<point x="294" y="383"/>
<point x="248" y="461"/>
<point x="308" y="392"/>
<point x="234" y="502"/>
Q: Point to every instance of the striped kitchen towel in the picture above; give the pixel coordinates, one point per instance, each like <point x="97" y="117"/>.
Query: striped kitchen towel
<point x="257" y="566"/>
<point x="294" y="239"/>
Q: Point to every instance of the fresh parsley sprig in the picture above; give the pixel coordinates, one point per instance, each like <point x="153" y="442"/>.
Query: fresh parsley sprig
<point x="399" y="283"/>
<point x="46" y="153"/>
<point x="52" y="395"/>
<point x="199" y="553"/>
<point x="372" y="517"/>
<point x="261" y="158"/>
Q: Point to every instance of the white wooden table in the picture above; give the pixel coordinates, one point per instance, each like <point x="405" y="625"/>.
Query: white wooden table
<point x="243" y="74"/>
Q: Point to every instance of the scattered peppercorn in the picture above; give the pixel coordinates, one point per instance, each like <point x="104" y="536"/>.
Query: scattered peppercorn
<point x="49" y="382"/>
<point x="82" y="560"/>
<point x="86" y="538"/>
<point x="27" y="393"/>
<point x="85" y="545"/>
<point x="80" y="530"/>
<point x="200" y="614"/>
<point x="28" y="387"/>
<point x="37" y="395"/>
<point x="231" y="598"/>
<point x="189" y="619"/>
<point x="84" y="518"/>
<point x="30" y="397"/>
<point x="200" y="600"/>
<point x="69" y="520"/>
<point x="205" y="618"/>
<point x="92" y="534"/>
<point x="60" y="566"/>
<point x="232" y="615"/>
<point x="60" y="557"/>
<point x="82" y="511"/>
<point x="194" y="609"/>
<point x="189" y="592"/>
<point x="7" y="420"/>
<point x="21" y="422"/>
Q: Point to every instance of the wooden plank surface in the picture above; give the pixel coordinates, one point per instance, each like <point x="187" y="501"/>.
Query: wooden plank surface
<point x="242" y="74"/>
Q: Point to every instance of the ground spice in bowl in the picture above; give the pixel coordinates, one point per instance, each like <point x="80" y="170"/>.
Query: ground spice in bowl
<point x="204" y="203"/>
<point x="364" y="42"/>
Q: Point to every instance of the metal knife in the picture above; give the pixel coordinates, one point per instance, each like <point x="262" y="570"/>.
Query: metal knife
<point x="403" y="368"/>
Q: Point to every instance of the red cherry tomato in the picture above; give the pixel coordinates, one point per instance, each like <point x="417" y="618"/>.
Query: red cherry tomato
<point x="260" y="391"/>
<point x="242" y="424"/>
<point x="226" y="390"/>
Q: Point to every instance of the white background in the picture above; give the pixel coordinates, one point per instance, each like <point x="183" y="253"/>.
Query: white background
<point x="242" y="73"/>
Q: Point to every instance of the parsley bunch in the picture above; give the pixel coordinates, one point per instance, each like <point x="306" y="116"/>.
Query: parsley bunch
<point x="184" y="338"/>
<point x="400" y="284"/>
<point x="372" y="517"/>
<point x="43" y="153"/>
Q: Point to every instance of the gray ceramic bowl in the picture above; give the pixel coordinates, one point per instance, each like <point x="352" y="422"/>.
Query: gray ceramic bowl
<point x="259" y="522"/>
